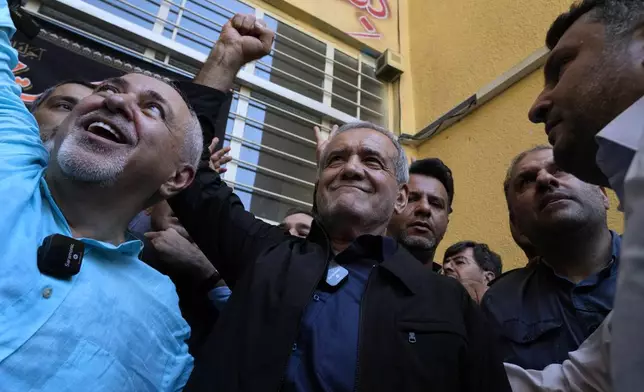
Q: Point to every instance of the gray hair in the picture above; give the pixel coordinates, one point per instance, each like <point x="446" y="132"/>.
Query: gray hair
<point x="400" y="163"/>
<point x="513" y="164"/>
<point x="193" y="143"/>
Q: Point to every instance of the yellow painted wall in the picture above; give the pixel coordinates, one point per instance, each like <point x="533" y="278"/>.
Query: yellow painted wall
<point x="344" y="15"/>
<point x="458" y="46"/>
<point x="479" y="150"/>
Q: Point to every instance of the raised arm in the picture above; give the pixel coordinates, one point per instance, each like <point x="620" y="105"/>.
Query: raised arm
<point x="229" y="236"/>
<point x="21" y="150"/>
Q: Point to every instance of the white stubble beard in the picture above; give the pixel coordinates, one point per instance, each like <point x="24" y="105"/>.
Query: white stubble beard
<point x="75" y="161"/>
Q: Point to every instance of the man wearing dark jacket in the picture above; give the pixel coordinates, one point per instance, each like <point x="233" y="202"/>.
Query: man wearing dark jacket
<point x="344" y="309"/>
<point x="422" y="225"/>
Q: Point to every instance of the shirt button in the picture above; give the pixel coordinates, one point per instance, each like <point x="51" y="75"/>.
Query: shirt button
<point x="316" y="297"/>
<point x="46" y="293"/>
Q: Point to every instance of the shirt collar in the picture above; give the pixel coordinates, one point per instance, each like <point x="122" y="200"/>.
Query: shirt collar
<point x="618" y="142"/>
<point x="385" y="250"/>
<point x="372" y="247"/>
<point x="609" y="269"/>
<point x="131" y="247"/>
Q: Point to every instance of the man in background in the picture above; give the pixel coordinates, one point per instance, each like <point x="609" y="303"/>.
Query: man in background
<point x="297" y="222"/>
<point x="54" y="104"/>
<point x="421" y="226"/>
<point x="473" y="264"/>
<point x="548" y="308"/>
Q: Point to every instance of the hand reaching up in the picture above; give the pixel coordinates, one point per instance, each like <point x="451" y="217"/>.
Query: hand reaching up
<point x="322" y="141"/>
<point x="218" y="158"/>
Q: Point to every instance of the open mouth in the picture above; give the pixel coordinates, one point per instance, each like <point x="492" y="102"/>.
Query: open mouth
<point x="106" y="131"/>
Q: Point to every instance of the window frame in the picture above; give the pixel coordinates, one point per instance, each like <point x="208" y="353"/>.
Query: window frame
<point x="154" y="40"/>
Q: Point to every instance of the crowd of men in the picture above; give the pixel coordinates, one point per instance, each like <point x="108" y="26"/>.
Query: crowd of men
<point x="180" y="288"/>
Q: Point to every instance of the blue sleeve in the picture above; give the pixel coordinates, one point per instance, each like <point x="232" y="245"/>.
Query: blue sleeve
<point x="20" y="147"/>
<point x="219" y="296"/>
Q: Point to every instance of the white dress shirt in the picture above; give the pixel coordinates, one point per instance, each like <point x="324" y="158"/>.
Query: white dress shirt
<point x="621" y="158"/>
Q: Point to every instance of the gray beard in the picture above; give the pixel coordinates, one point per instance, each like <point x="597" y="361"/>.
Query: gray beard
<point x="75" y="165"/>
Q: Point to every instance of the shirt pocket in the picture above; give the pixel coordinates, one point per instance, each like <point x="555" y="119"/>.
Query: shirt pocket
<point x="526" y="333"/>
<point x="532" y="344"/>
<point x="91" y="368"/>
<point x="432" y="347"/>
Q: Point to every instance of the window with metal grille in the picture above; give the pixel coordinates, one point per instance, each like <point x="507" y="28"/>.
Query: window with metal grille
<point x="305" y="81"/>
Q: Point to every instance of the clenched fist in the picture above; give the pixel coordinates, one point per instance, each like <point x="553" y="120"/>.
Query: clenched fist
<point x="242" y="39"/>
<point x="246" y="39"/>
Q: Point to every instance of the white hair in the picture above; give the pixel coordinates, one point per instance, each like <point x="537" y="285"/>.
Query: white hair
<point x="400" y="162"/>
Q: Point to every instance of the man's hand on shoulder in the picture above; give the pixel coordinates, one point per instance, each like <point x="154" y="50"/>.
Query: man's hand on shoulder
<point x="242" y="39"/>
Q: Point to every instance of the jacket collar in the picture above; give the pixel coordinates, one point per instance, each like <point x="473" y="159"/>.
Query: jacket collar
<point x="392" y="257"/>
<point x="404" y="266"/>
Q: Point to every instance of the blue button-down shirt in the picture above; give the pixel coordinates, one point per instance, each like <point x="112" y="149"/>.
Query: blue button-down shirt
<point x="325" y="355"/>
<point x="542" y="316"/>
<point x="115" y="326"/>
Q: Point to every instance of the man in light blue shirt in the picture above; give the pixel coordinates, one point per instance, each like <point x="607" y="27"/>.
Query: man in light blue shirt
<point x="116" y="325"/>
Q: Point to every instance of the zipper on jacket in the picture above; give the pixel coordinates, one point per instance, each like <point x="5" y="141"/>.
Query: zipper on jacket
<point x="360" y="323"/>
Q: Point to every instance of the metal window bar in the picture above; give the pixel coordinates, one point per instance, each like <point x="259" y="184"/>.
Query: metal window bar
<point x="264" y="148"/>
<point x="183" y="7"/>
<point x="275" y="129"/>
<point x="162" y="64"/>
<point x="175" y="31"/>
<point x="359" y="97"/>
<point x="273" y="195"/>
<point x="129" y="11"/>
<point x="291" y="40"/>
<point x="325" y="73"/>
<point x="318" y="87"/>
<point x="212" y="42"/>
<point x="279" y="109"/>
<point x="177" y="70"/>
<point x="283" y="176"/>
